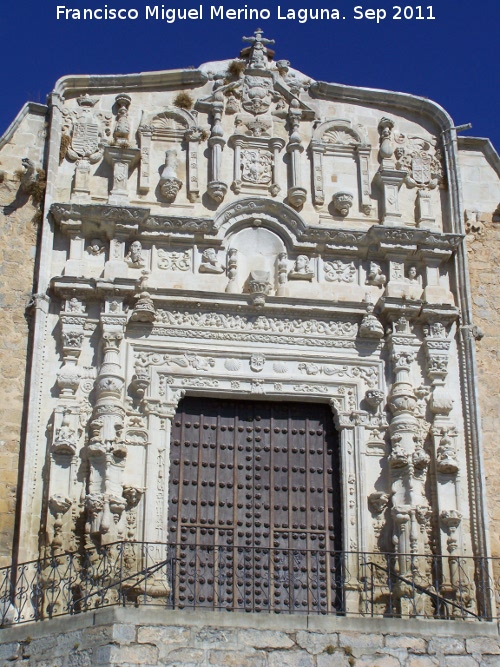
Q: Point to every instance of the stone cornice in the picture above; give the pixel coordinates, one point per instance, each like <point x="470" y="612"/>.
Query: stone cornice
<point x="109" y="83"/>
<point x="130" y="220"/>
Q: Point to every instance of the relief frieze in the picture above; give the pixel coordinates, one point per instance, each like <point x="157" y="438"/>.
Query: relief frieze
<point x="242" y="323"/>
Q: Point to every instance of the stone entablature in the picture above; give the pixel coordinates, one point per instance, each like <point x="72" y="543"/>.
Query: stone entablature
<point x="274" y="239"/>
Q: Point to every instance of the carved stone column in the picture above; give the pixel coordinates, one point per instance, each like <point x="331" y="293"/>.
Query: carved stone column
<point x="216" y="188"/>
<point x="276" y="146"/>
<point x="351" y="426"/>
<point x="232" y="271"/>
<point x="444" y="438"/>
<point x="106" y="451"/>
<point x="63" y="487"/>
<point x="296" y="193"/>
<point x="160" y="416"/>
<point x="408" y="459"/>
<point x="281" y="273"/>
<point x="237" y="143"/>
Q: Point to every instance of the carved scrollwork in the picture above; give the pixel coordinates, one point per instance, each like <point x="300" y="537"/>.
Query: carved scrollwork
<point x="339" y="271"/>
<point x="174" y="261"/>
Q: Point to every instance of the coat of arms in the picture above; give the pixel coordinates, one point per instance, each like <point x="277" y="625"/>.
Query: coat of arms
<point x="421" y="160"/>
<point x="257" y="94"/>
<point x="83" y="131"/>
<point x="256" y="166"/>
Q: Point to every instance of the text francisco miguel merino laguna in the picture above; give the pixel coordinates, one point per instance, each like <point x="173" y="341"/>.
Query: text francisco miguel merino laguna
<point x="213" y="12"/>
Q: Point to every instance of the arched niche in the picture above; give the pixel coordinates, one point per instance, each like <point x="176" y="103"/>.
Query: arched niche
<point x="279" y="217"/>
<point x="254" y="251"/>
<point x="338" y="138"/>
<point x="173" y="125"/>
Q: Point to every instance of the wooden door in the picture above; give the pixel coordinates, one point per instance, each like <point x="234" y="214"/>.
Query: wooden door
<point x="254" y="516"/>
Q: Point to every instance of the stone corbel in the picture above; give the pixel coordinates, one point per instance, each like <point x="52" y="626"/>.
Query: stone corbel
<point x="169" y="184"/>
<point x="437" y="347"/>
<point x="59" y="506"/>
<point x="144" y="308"/>
<point x="66" y="434"/>
<point x="259" y="286"/>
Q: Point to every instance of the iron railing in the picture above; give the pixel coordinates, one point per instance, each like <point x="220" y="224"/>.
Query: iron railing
<point x="254" y="579"/>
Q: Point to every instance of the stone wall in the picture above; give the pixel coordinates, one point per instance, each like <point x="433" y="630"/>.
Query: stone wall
<point x="18" y="238"/>
<point x="480" y="169"/>
<point x="115" y="637"/>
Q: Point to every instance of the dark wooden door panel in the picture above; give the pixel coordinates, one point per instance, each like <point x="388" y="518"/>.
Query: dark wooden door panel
<point x="254" y="505"/>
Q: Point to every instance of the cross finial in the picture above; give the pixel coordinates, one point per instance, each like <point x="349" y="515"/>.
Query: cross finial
<point x="258" y="53"/>
<point x="258" y="38"/>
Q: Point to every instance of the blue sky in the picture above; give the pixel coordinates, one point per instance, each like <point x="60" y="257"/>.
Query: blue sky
<point x="453" y="59"/>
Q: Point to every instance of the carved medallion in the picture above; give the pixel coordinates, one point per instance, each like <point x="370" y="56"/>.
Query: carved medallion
<point x="256" y="166"/>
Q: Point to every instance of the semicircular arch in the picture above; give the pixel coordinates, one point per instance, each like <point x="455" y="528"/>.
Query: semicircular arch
<point x="276" y="216"/>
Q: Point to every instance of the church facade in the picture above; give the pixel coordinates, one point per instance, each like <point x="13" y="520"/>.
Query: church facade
<point x="251" y="379"/>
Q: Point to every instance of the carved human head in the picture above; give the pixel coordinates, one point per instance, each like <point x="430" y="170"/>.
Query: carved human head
<point x="135" y="251"/>
<point x="412" y="272"/>
<point x="302" y="264"/>
<point x="209" y="256"/>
